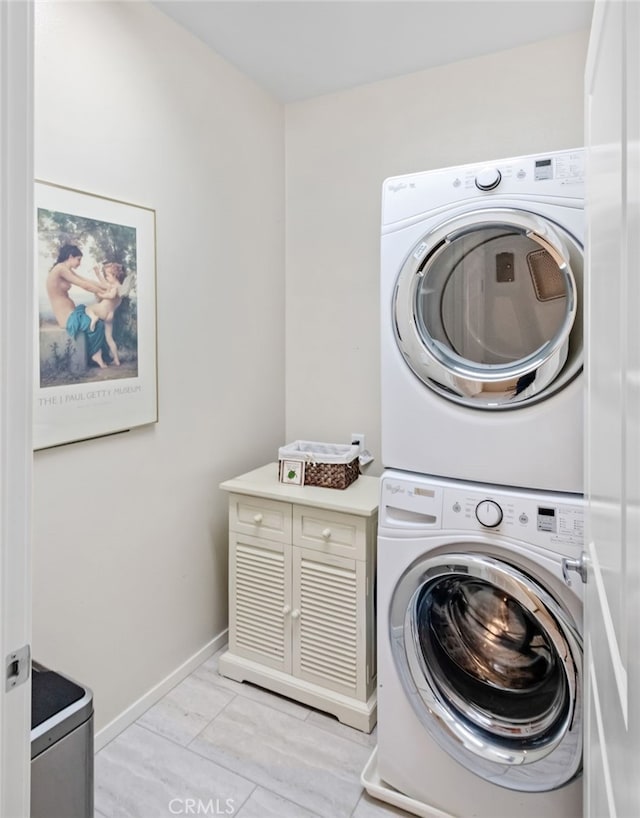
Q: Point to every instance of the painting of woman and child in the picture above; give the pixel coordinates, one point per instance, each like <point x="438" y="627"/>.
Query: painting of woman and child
<point x="88" y="290"/>
<point x="95" y="342"/>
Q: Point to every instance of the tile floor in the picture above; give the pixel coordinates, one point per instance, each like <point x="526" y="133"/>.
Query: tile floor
<point x="213" y="746"/>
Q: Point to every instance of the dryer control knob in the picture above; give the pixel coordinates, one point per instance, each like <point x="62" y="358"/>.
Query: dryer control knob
<point x="489" y="513"/>
<point x="488" y="178"/>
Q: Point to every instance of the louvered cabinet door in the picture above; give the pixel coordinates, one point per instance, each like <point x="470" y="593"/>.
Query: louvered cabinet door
<point x="328" y="625"/>
<point x="259" y="600"/>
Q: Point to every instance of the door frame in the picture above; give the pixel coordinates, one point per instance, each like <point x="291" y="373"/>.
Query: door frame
<point x="612" y="484"/>
<point x="16" y="362"/>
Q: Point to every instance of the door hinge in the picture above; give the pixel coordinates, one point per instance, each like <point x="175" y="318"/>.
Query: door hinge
<point x="579" y="566"/>
<point x="17" y="667"/>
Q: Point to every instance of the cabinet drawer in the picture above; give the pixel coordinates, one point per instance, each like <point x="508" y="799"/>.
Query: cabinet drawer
<point x="344" y="535"/>
<point x="268" y="519"/>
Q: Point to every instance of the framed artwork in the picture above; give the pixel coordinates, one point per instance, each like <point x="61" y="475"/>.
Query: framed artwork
<point x="95" y="316"/>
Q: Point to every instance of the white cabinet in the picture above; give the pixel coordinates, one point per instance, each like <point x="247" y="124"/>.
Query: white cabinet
<point x="301" y="592"/>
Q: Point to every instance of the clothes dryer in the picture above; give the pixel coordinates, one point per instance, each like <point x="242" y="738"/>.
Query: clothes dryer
<point x="479" y="649"/>
<point x="482" y="322"/>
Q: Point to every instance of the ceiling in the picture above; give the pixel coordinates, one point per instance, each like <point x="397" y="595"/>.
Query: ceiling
<point x="297" y="49"/>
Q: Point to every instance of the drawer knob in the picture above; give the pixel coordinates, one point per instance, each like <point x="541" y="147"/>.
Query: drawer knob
<point x="286" y="609"/>
<point x="295" y="613"/>
<point x="326" y="533"/>
<point x="257" y="518"/>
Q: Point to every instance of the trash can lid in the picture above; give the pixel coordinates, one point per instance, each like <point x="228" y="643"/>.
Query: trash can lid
<point x="51" y="693"/>
<point x="58" y="706"/>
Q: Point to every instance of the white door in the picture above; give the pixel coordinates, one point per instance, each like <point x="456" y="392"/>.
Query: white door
<point x="16" y="329"/>
<point x="612" y="611"/>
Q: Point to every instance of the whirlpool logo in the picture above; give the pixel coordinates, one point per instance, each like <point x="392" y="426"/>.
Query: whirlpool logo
<point x="396" y="187"/>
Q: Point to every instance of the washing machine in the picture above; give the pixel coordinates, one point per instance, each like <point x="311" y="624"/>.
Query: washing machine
<point x="482" y="322"/>
<point x="480" y="655"/>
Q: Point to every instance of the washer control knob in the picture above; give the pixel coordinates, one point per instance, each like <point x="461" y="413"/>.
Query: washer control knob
<point x="488" y="178"/>
<point x="489" y="513"/>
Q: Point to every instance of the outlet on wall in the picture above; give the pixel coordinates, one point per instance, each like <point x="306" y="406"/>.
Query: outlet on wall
<point x="357" y="439"/>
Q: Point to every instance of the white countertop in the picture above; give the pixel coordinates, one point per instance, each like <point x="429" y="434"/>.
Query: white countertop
<point x="360" y="498"/>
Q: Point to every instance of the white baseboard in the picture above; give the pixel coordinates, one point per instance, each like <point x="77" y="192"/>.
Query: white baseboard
<point x="133" y="713"/>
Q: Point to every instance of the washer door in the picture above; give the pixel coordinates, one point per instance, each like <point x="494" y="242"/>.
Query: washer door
<point x="493" y="668"/>
<point x="488" y="311"/>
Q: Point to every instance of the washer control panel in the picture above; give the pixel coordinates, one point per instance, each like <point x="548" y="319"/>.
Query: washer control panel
<point x="489" y="514"/>
<point x="542" y="518"/>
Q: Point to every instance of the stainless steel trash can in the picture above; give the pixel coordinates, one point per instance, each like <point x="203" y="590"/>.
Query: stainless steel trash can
<point x="61" y="746"/>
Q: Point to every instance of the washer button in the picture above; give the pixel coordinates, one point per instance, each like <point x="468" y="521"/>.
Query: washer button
<point x="489" y="513"/>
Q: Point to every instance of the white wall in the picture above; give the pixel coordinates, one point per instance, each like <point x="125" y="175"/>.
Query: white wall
<point x="130" y="531"/>
<point x="339" y="149"/>
<point x="130" y="548"/>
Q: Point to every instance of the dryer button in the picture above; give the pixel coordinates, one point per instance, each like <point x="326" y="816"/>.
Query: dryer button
<point x="488" y="178"/>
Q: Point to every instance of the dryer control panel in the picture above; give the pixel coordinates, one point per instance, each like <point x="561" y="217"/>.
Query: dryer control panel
<point x="542" y="177"/>
<point x="549" y="520"/>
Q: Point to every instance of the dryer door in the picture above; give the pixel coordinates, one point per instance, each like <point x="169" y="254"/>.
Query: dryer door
<point x="493" y="668"/>
<point x="488" y="308"/>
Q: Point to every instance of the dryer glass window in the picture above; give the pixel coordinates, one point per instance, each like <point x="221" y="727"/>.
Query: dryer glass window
<point x="491" y="295"/>
<point x="488" y="309"/>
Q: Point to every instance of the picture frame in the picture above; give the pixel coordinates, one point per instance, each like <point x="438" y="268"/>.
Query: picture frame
<point x="95" y="353"/>
<point x="292" y="471"/>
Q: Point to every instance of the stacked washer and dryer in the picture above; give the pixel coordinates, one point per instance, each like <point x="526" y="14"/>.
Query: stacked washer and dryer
<point x="481" y="513"/>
